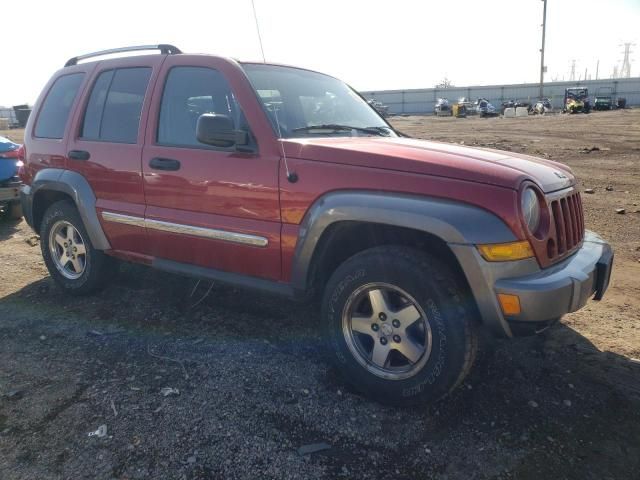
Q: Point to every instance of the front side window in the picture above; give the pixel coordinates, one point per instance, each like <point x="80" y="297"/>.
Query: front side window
<point x="188" y="93"/>
<point x="55" y="110"/>
<point x="301" y="103"/>
<point x="115" y="105"/>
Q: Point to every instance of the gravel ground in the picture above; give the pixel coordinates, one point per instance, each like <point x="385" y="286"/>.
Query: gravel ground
<point x="232" y="385"/>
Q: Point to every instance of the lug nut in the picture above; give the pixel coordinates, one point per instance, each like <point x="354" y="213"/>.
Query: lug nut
<point x="75" y="249"/>
<point x="375" y="327"/>
<point x="383" y="340"/>
<point x="396" y="338"/>
<point x="382" y="316"/>
<point x="396" y="323"/>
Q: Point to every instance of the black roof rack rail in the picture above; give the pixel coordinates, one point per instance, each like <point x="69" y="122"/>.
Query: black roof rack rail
<point x="164" y="48"/>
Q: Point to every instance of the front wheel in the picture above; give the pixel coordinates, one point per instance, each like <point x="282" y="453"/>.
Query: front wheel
<point x="73" y="263"/>
<point x="401" y="329"/>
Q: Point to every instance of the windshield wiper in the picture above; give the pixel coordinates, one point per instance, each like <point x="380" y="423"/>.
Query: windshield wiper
<point x="337" y="127"/>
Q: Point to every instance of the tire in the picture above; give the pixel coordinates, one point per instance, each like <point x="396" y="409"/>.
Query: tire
<point x="95" y="268"/>
<point x="445" y="330"/>
<point x="15" y="211"/>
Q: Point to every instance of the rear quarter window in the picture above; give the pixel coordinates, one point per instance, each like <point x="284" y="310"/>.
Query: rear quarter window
<point x="115" y="105"/>
<point x="56" y="108"/>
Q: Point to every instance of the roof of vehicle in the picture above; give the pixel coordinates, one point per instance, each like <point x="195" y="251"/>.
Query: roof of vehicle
<point x="168" y="49"/>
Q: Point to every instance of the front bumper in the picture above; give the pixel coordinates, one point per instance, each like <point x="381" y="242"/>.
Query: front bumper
<point x="545" y="295"/>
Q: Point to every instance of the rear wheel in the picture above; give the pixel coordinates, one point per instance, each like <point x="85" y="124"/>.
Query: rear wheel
<point x="73" y="263"/>
<point x="400" y="327"/>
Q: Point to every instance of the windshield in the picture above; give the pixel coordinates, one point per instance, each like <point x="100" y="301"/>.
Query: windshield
<point x="577" y="93"/>
<point x="310" y="104"/>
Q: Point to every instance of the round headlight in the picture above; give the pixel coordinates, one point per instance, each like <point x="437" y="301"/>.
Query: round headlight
<point x="531" y="209"/>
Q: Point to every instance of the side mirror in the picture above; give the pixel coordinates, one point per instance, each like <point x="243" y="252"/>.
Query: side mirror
<point x="217" y="130"/>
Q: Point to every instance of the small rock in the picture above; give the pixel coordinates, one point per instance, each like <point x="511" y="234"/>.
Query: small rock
<point x="166" y="391"/>
<point x="532" y="403"/>
<point x="305" y="391"/>
<point x="620" y="211"/>
<point x="191" y="459"/>
<point x="15" y="394"/>
<point x="43" y="338"/>
<point x="609" y="188"/>
<point x="313" y="448"/>
<point x="101" y="432"/>
<point x="567" y="403"/>
<point x="589" y="190"/>
<point x="32" y="241"/>
<point x="427" y="450"/>
<point x="571" y="385"/>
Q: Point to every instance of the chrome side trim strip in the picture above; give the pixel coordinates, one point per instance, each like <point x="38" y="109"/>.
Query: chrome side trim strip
<point x="120" y="218"/>
<point x="211" y="233"/>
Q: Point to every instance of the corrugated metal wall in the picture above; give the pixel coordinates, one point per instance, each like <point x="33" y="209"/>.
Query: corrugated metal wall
<point x="423" y="100"/>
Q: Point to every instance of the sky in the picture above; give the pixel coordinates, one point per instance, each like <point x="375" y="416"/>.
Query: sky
<point x="370" y="44"/>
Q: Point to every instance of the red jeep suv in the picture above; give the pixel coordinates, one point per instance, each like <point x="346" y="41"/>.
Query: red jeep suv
<point x="285" y="180"/>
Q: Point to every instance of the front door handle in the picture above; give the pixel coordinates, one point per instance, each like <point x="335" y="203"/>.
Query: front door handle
<point x="79" y="155"/>
<point x="164" y="164"/>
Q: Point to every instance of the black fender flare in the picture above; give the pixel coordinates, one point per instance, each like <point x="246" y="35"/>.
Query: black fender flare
<point x="453" y="222"/>
<point x="75" y="186"/>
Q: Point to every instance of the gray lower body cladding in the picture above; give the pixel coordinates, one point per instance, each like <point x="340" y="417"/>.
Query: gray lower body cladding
<point x="545" y="294"/>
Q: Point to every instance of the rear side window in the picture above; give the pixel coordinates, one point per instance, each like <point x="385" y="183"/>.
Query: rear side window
<point x="55" y="110"/>
<point x="188" y="93"/>
<point x="115" y="104"/>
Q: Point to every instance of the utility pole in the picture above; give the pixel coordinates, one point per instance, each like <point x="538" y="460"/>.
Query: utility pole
<point x="542" y="67"/>
<point x="572" y="76"/>
<point x="625" y="70"/>
<point x="597" y="68"/>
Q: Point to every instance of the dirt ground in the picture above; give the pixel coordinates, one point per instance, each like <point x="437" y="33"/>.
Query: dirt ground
<point x="253" y="384"/>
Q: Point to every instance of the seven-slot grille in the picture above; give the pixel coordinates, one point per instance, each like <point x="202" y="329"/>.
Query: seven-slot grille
<point x="568" y="219"/>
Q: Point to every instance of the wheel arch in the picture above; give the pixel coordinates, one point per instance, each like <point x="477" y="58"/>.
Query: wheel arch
<point x="51" y="185"/>
<point x="339" y="224"/>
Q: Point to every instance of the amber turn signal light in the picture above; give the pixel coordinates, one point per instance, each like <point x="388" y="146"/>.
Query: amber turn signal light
<point x="510" y="304"/>
<point x="504" y="252"/>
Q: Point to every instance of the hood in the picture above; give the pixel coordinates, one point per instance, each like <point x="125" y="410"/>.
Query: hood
<point x="495" y="167"/>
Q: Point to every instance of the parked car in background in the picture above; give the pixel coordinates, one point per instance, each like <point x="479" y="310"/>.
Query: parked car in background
<point x="442" y="108"/>
<point x="186" y="164"/>
<point x="603" y="99"/>
<point x="9" y="181"/>
<point x="485" y="108"/>
<point x="542" y="106"/>
<point x="381" y="108"/>
<point x="576" y="100"/>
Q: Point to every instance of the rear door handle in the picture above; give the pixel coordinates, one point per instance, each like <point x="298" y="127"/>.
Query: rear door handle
<point x="79" y="155"/>
<point x="164" y="164"/>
